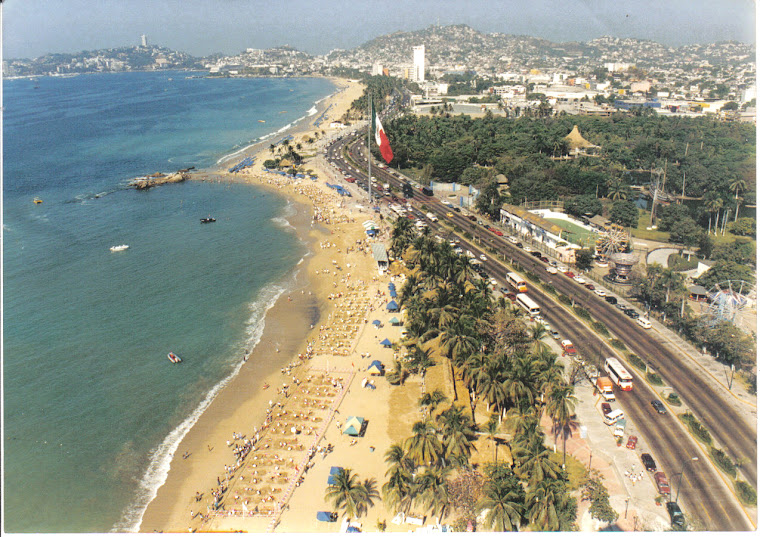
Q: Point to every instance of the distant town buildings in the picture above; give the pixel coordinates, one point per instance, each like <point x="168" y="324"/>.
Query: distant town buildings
<point x="144" y="41"/>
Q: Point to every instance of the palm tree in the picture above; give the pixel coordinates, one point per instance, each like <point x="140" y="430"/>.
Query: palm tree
<point x="533" y="462"/>
<point x="423" y="447"/>
<point x="348" y="494"/>
<point x="713" y="204"/>
<point x="536" y="335"/>
<point x="561" y="407"/>
<point x="398" y="374"/>
<point x="457" y="430"/>
<point x="542" y="501"/>
<point x="398" y="492"/>
<point x="431" y="400"/>
<point x="737" y="184"/>
<point x="492" y="427"/>
<point x="672" y="280"/>
<point x="503" y="505"/>
<point x="616" y="189"/>
<point x="490" y="386"/>
<point x="433" y="491"/>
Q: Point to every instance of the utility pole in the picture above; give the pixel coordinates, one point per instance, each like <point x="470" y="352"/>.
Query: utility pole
<point x="369" y="155"/>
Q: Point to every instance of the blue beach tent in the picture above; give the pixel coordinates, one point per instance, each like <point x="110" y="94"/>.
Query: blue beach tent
<point x="333" y="471"/>
<point x="353" y="426"/>
<point x="375" y="368"/>
<point x="392" y="293"/>
<point x="392" y="306"/>
<point x="325" y="516"/>
<point x="386" y="343"/>
<point x="377" y="322"/>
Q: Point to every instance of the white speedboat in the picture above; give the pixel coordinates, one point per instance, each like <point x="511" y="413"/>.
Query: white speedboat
<point x="119" y="248"/>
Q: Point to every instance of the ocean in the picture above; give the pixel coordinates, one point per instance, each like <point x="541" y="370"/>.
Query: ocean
<point x="93" y="407"/>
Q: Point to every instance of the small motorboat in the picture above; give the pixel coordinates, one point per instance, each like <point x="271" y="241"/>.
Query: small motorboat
<point x="262" y="121"/>
<point x="173" y="358"/>
<point x="37" y="201"/>
<point x="119" y="248"/>
<point x="266" y="386"/>
<point x="207" y="220"/>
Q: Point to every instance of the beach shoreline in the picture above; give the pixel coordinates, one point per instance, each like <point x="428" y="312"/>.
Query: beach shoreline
<point x="288" y="325"/>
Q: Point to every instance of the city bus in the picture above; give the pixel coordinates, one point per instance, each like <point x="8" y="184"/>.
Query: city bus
<point x="517" y="282"/>
<point x="526" y="303"/>
<point x="619" y="374"/>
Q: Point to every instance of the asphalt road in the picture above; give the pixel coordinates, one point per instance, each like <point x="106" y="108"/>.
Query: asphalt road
<point x="703" y="495"/>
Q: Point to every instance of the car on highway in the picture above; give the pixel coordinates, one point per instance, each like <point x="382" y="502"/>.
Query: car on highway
<point x="519" y="244"/>
<point x="493" y="282"/>
<point x="497" y="232"/>
<point x="450" y="214"/>
<point x="551" y="270"/>
<point x="661" y="480"/>
<point x="590" y="287"/>
<point x="483" y="257"/>
<point x="602" y="293"/>
<point x="554" y="333"/>
<point x="535" y="254"/>
<point x="471" y="218"/>
<point x="648" y="462"/>
<point x="569" y="274"/>
<point x="529" y="250"/>
<point x="512" y="296"/>
<point x="659" y="407"/>
<point x="676" y="515"/>
<point x="544" y="259"/>
<point x="631" y="444"/>
<point x="631" y="313"/>
<point x="579" y="279"/>
<point x="512" y="240"/>
<point x="561" y="268"/>
<point x="504" y="290"/>
<point x="567" y="348"/>
<point x="621" y="306"/>
<point x="606" y="408"/>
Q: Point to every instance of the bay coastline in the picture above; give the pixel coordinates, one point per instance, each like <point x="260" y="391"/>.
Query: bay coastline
<point x="288" y="324"/>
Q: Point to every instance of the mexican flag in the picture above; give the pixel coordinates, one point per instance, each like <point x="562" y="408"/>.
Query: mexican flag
<point x="380" y="138"/>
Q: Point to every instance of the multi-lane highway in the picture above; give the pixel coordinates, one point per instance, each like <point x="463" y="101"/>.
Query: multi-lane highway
<point x="704" y="495"/>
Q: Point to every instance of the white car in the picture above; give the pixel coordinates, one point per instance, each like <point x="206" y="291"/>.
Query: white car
<point x="512" y="240"/>
<point x="493" y="282"/>
<point x="579" y="280"/>
<point x="551" y="270"/>
<point x="483" y="257"/>
<point x="562" y="268"/>
<point x="600" y="292"/>
<point x="528" y="249"/>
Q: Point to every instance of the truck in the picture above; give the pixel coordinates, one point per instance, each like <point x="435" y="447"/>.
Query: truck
<point x="567" y="347"/>
<point x="605" y="387"/>
<point x="619" y="431"/>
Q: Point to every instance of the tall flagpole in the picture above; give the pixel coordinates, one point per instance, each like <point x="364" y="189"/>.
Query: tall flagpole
<point x="369" y="153"/>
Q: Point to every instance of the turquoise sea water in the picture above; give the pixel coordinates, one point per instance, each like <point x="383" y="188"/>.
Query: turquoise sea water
<point x="93" y="408"/>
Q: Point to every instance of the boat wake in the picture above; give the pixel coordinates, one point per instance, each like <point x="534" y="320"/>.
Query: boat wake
<point x="89" y="196"/>
<point x="161" y="456"/>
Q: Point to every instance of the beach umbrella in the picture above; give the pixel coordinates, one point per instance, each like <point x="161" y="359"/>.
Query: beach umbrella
<point x="386" y="343"/>
<point x="353" y="425"/>
<point x="377" y="322"/>
<point x="392" y="293"/>
<point x="325" y="516"/>
<point x="333" y="471"/>
<point x="394" y="320"/>
<point x="392" y="306"/>
<point x="375" y="368"/>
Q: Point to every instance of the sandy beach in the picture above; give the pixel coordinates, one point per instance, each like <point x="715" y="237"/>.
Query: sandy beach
<point x="330" y="275"/>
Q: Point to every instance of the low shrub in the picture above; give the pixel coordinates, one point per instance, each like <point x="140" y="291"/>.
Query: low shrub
<point x="680" y="263"/>
<point x="696" y="428"/>
<point x="747" y="494"/>
<point x="637" y="362"/>
<point x="549" y="288"/>
<point x="582" y="313"/>
<point x="532" y="277"/>
<point x="601" y="328"/>
<point x="723" y="461"/>
<point x="467" y="235"/>
<point x="618" y="344"/>
<point x="673" y="399"/>
<point x="565" y="299"/>
<point x="655" y="379"/>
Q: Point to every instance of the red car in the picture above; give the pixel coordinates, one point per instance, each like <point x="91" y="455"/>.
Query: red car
<point x="662" y="483"/>
<point x="589" y="286"/>
<point x="569" y="274"/>
<point x="512" y="296"/>
<point x="497" y="232"/>
<point x="632" y="442"/>
<point x="472" y="218"/>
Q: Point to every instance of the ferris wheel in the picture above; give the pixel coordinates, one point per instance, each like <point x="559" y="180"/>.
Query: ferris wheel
<point x="728" y="301"/>
<point x="612" y="240"/>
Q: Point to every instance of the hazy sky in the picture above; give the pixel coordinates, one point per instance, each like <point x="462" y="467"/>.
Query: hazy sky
<point x="200" y="27"/>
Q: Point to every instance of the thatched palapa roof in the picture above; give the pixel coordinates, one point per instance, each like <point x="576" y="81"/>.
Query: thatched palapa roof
<point x="576" y="141"/>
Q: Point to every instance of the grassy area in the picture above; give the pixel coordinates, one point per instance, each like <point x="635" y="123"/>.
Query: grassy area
<point x="575" y="233"/>
<point x="641" y="231"/>
<point x="576" y="471"/>
<point x="681" y="262"/>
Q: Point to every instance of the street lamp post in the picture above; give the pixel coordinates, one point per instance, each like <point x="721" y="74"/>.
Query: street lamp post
<point x="680" y="477"/>
<point x="626" y="506"/>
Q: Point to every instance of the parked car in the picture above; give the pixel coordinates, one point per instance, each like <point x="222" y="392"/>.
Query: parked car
<point x="621" y="306"/>
<point x="544" y="259"/>
<point x="535" y="254"/>
<point x="567" y="347"/>
<point x="579" y="279"/>
<point x="471" y="218"/>
<point x="661" y="481"/>
<point x="497" y="232"/>
<point x="512" y="240"/>
<point x="553" y="263"/>
<point x="611" y="299"/>
<point x="631" y="444"/>
<point x="561" y="268"/>
<point x="450" y="214"/>
<point x="519" y="244"/>
<point x="529" y="250"/>
<point x="551" y="270"/>
<point x="606" y="408"/>
<point x="554" y="333"/>
<point x="483" y="257"/>
<point x="649" y="463"/>
<point x="676" y="515"/>
<point x="504" y="290"/>
<point x="631" y="313"/>
<point x="512" y="296"/>
<point x="570" y="274"/>
<point x="601" y="292"/>
<point x="589" y="286"/>
<point x="659" y="407"/>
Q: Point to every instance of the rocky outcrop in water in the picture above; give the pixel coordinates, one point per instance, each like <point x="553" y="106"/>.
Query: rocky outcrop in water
<point x="158" y="178"/>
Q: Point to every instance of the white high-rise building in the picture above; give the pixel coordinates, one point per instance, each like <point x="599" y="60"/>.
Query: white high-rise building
<point x="144" y="40"/>
<point x="418" y="74"/>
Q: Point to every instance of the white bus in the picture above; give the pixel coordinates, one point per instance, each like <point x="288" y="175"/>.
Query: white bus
<point x="525" y="302"/>
<point x="619" y="374"/>
<point x="517" y="282"/>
